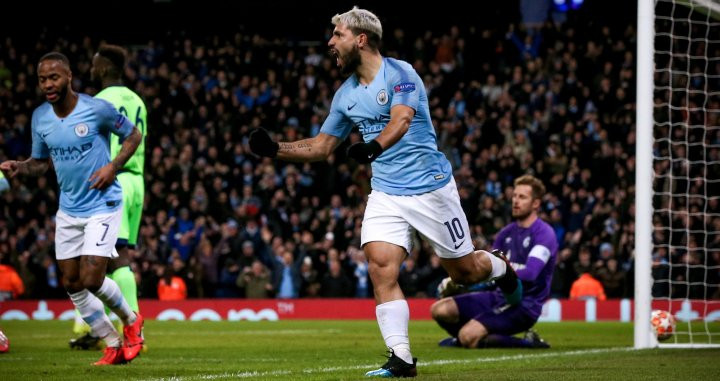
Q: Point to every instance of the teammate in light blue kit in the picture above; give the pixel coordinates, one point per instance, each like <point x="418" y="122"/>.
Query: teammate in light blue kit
<point x="73" y="130"/>
<point x="412" y="182"/>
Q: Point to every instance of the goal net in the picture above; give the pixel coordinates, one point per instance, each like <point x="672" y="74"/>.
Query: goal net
<point x="677" y="258"/>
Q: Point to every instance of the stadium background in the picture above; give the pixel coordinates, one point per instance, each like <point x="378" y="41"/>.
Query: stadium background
<point x="560" y="107"/>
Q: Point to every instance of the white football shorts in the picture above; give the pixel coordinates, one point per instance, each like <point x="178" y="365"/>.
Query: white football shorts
<point x="436" y="215"/>
<point x="94" y="235"/>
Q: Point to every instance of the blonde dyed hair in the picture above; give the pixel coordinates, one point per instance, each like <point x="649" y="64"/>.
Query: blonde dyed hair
<point x="361" y="21"/>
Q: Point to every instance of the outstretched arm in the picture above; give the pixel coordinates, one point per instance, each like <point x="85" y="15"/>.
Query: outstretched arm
<point x="30" y="167"/>
<point x="313" y="149"/>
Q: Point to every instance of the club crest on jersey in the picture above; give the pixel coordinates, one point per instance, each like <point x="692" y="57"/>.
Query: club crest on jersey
<point x="81" y="130"/>
<point x="508" y="239"/>
<point x="526" y="242"/>
<point x="405" y="87"/>
<point x="382" y="97"/>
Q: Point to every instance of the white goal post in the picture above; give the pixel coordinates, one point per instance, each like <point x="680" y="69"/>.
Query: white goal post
<point x="676" y="139"/>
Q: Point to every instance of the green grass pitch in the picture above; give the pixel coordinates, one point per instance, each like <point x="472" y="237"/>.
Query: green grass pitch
<point x="345" y="350"/>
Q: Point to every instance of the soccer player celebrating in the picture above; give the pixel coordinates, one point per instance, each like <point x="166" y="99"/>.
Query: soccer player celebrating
<point x="73" y="130"/>
<point x="107" y="68"/>
<point x="413" y="187"/>
<point x="486" y="319"/>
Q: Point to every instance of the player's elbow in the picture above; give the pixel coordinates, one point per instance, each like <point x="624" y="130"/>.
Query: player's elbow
<point x="323" y="145"/>
<point x="325" y="152"/>
<point x="42" y="166"/>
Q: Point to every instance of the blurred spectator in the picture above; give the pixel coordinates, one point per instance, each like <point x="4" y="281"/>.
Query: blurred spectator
<point x="335" y="284"/>
<point x="612" y="279"/>
<point x="587" y="287"/>
<point x="256" y="281"/>
<point x="409" y="278"/>
<point x="11" y="286"/>
<point x="171" y="286"/>
<point x="310" y="286"/>
<point x="431" y="275"/>
<point x="227" y="281"/>
<point x="287" y="279"/>
<point x="360" y="272"/>
<point x="564" y="275"/>
<point x="583" y="265"/>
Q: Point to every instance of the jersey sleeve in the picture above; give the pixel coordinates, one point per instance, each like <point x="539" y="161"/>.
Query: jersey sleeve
<point x="547" y="241"/>
<point x="336" y="123"/>
<point x="499" y="238"/>
<point x="404" y="87"/>
<point x="113" y="121"/>
<point x="40" y="149"/>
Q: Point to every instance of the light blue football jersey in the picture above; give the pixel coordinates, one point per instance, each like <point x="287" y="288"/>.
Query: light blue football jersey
<point x="79" y="145"/>
<point x="413" y="165"/>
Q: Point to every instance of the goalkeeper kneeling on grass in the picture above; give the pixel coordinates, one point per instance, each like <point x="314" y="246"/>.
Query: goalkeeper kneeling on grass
<point x="479" y="316"/>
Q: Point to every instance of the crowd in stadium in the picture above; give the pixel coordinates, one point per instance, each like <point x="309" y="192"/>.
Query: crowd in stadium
<point x="221" y="222"/>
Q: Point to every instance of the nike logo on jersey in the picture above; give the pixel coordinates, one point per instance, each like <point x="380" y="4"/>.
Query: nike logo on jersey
<point x="44" y="135"/>
<point x="351" y="107"/>
<point x="459" y="244"/>
<point x="105" y="243"/>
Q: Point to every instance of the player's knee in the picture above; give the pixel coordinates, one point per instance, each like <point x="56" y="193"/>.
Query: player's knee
<point x="382" y="274"/>
<point x="92" y="283"/>
<point x="441" y="310"/>
<point x="72" y="284"/>
<point x="469" y="337"/>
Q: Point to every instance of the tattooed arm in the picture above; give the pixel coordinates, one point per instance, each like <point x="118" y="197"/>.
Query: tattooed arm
<point x="313" y="149"/>
<point x="29" y="167"/>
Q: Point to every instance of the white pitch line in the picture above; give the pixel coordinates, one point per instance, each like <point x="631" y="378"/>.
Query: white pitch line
<point x="248" y="374"/>
<point x="250" y="332"/>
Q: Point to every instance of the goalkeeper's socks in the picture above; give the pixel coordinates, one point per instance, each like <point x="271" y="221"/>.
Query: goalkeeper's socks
<point x="93" y="312"/>
<point x="125" y="280"/>
<point x="503" y="341"/>
<point x="393" y="320"/>
<point x="452" y="328"/>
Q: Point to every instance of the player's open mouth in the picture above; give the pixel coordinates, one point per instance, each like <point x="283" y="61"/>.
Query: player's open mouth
<point x="51" y="96"/>
<point x="336" y="54"/>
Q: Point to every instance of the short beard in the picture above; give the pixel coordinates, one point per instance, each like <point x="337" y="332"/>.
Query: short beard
<point x="62" y="94"/>
<point x="522" y="216"/>
<point x="352" y="61"/>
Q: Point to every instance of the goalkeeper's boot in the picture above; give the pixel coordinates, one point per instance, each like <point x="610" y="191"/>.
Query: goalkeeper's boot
<point x="534" y="338"/>
<point x="509" y="283"/>
<point x="112" y="356"/>
<point x="394" y="367"/>
<point x="450" y="342"/>
<point x="85" y="342"/>
<point x="133" y="338"/>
